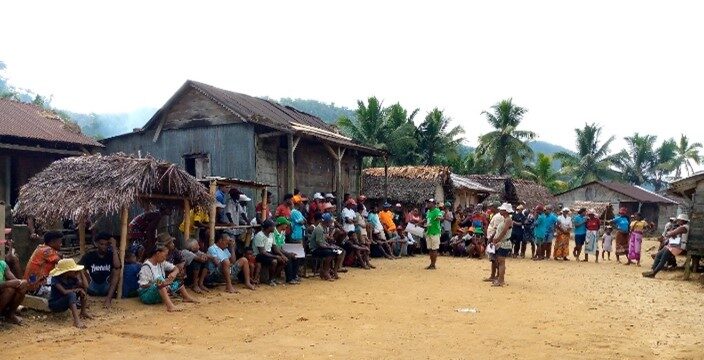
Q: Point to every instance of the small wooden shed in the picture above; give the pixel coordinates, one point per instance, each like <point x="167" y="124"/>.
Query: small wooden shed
<point x="692" y="188"/>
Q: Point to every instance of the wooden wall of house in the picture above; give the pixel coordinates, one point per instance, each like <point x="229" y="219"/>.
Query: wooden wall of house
<point x="267" y="165"/>
<point x="17" y="167"/>
<point x="193" y="109"/>
<point x="592" y="192"/>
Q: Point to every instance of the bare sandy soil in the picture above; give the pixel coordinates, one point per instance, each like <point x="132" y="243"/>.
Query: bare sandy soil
<point x="550" y="310"/>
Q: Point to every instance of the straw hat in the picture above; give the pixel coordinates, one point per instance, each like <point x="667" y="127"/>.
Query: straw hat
<point x="64" y="266"/>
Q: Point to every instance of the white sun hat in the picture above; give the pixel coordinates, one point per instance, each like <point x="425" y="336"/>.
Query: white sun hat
<point x="506" y="207"/>
<point x="244" y="197"/>
<point x="683" y="217"/>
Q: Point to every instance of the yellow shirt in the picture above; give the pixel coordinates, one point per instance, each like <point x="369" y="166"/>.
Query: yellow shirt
<point x="200" y="216"/>
<point x="639" y="226"/>
<point x="386" y="218"/>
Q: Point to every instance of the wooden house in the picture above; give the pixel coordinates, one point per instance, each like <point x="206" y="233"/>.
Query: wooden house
<point x="211" y="131"/>
<point x="692" y="189"/>
<point x="652" y="206"/>
<point x="31" y="138"/>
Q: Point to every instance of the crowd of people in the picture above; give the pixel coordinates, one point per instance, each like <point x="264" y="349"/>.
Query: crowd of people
<point x="262" y="250"/>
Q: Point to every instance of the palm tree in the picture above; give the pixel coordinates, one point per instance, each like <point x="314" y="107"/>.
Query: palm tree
<point x="592" y="161"/>
<point x="638" y="162"/>
<point x="685" y="155"/>
<point x="436" y="141"/>
<point x="542" y="173"/>
<point x="665" y="163"/>
<point x="506" y="146"/>
<point x="387" y="129"/>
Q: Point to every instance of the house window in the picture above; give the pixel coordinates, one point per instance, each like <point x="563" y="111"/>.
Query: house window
<point x="197" y="165"/>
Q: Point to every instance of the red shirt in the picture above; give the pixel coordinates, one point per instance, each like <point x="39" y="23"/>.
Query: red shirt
<point x="283" y="210"/>
<point x="593" y="224"/>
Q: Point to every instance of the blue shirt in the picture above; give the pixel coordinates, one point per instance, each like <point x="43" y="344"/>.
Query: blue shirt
<point x="130" y="283"/>
<point x="551" y="220"/>
<point x="540" y="227"/>
<point x="374" y="219"/>
<point x="297" y="223"/>
<point x="580" y="224"/>
<point x="622" y="223"/>
<point x="219" y="254"/>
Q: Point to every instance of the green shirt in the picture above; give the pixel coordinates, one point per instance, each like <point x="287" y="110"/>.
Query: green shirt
<point x="433" y="218"/>
<point x="3" y="266"/>
<point x="279" y="239"/>
<point x="317" y="238"/>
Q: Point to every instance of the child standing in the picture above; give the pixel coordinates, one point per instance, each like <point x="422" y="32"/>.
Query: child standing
<point x="68" y="290"/>
<point x="606" y="242"/>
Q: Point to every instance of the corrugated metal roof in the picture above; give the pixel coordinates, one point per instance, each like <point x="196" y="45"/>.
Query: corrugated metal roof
<point x="271" y="114"/>
<point x="635" y="192"/>
<point x="462" y="182"/>
<point x="28" y="121"/>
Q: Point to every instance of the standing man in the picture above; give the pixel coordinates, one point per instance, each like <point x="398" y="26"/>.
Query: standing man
<point x="501" y="239"/>
<point x="433" y="217"/>
<point x="297" y="222"/>
<point x="518" y="232"/>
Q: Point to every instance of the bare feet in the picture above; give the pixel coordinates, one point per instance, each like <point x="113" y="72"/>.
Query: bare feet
<point x="250" y="287"/>
<point x="196" y="289"/>
<point x="108" y="303"/>
<point x="231" y="290"/>
<point x="173" y="309"/>
<point x="203" y="288"/>
<point x="79" y="324"/>
<point x="86" y="315"/>
<point x="13" y="319"/>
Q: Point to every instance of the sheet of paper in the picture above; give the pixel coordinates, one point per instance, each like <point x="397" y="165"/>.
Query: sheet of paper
<point x="296" y="249"/>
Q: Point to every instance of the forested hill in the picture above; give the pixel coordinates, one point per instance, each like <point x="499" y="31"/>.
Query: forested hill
<point x="328" y="112"/>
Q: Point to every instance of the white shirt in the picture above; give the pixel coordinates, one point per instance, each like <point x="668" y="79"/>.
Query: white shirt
<point x="348" y="214"/>
<point x="565" y="222"/>
<point x="150" y="272"/>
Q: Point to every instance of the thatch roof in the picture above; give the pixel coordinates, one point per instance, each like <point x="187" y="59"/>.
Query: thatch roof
<point x="460" y="182"/>
<point x="80" y="188"/>
<point x="514" y="190"/>
<point x="409" y="184"/>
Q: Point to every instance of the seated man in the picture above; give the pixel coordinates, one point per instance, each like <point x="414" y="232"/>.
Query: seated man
<point x="262" y="247"/>
<point x="356" y="251"/>
<point x="174" y="256"/>
<point x="43" y="260"/>
<point x="102" y="266"/>
<point x="677" y="244"/>
<point x="225" y="267"/>
<point x="12" y="291"/>
<point x="196" y="266"/>
<point x="320" y="248"/>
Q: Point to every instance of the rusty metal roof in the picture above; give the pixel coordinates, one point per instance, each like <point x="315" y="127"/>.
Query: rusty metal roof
<point x="635" y="192"/>
<point x="28" y="121"/>
<point x="267" y="113"/>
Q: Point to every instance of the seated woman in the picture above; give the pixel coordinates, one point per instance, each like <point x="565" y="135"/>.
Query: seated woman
<point x="677" y="243"/>
<point x="68" y="290"/>
<point x="12" y="292"/>
<point x="157" y="280"/>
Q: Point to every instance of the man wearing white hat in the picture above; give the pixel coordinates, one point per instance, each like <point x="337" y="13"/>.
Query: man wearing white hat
<point x="500" y="237"/>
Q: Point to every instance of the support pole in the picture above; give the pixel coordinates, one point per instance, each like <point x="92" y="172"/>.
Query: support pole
<point x="2" y="218"/>
<point x="290" y="184"/>
<point x="82" y="236"/>
<point x="265" y="207"/>
<point x="186" y="220"/>
<point x="338" y="170"/>
<point x="386" y="178"/>
<point x="213" y="212"/>
<point x="124" y="217"/>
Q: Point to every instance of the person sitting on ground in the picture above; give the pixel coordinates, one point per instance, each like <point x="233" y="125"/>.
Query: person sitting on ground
<point x="225" y="267"/>
<point x="255" y="268"/>
<point x="320" y="248"/>
<point x="262" y="245"/>
<point x="291" y="265"/>
<point x="130" y="276"/>
<point x="174" y="256"/>
<point x="196" y="266"/>
<point x="143" y="231"/>
<point x="103" y="267"/>
<point x="677" y="244"/>
<point x="43" y="260"/>
<point x="158" y="280"/>
<point x="68" y="291"/>
<point x="12" y="292"/>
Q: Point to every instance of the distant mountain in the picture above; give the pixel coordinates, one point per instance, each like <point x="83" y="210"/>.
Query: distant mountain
<point x="547" y="148"/>
<point x="328" y="112"/>
<point x="106" y="125"/>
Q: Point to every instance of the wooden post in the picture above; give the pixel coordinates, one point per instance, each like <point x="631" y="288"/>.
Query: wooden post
<point x="2" y="218"/>
<point x="186" y="220"/>
<point x="82" y="236"/>
<point x="290" y="169"/>
<point x="124" y="217"/>
<point x="213" y="212"/>
<point x="265" y="208"/>
<point x="386" y="178"/>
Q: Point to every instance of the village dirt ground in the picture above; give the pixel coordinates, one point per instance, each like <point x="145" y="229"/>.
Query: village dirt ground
<point x="550" y="310"/>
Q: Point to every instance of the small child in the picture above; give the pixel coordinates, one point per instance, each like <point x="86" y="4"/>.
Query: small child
<point x="157" y="280"/>
<point x="606" y="242"/>
<point x="130" y="276"/>
<point x="68" y="290"/>
<point x="254" y="267"/>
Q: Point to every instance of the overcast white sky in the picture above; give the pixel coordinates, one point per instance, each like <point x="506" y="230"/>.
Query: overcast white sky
<point x="628" y="65"/>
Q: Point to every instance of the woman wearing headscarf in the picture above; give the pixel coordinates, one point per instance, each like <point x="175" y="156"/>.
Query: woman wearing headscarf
<point x="564" y="230"/>
<point x="622" y="225"/>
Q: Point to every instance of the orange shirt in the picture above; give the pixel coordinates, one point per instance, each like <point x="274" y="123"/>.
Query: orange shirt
<point x="43" y="260"/>
<point x="386" y="218"/>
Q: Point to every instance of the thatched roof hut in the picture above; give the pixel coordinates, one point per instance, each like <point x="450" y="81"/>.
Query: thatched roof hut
<point x="414" y="184"/>
<point x="80" y="188"/>
<point x="515" y="190"/>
